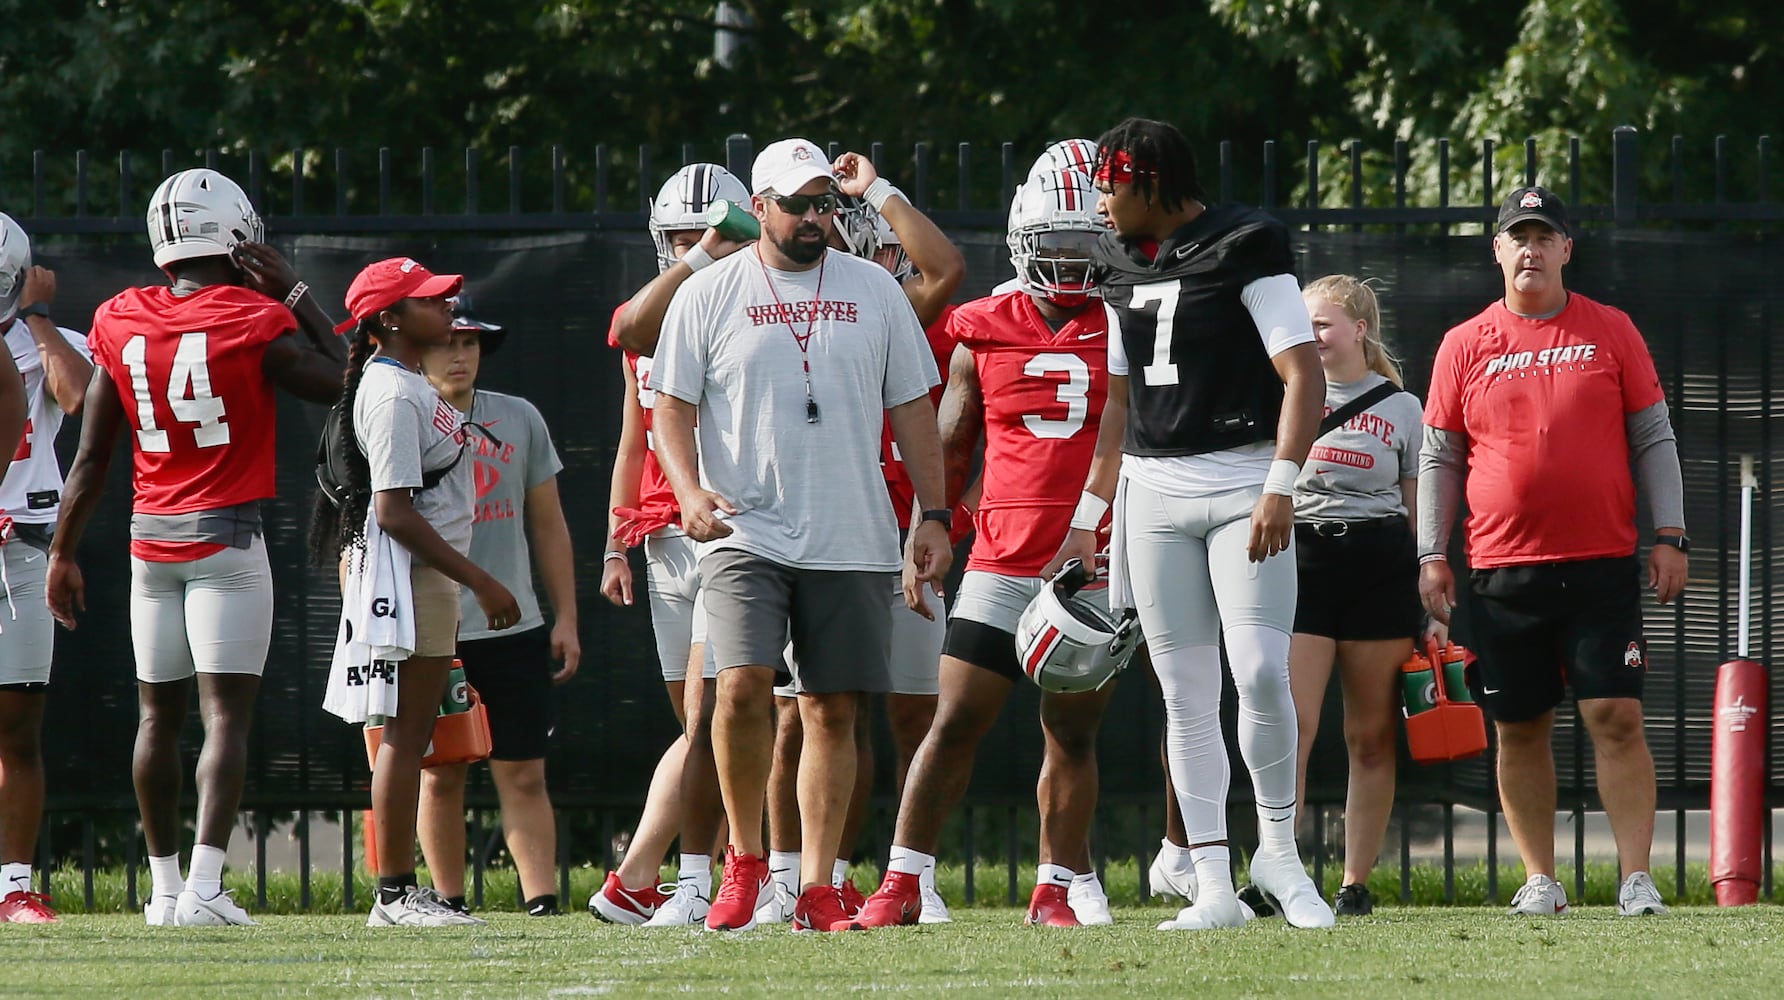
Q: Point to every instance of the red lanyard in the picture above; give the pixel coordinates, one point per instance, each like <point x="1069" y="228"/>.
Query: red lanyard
<point x="786" y="315"/>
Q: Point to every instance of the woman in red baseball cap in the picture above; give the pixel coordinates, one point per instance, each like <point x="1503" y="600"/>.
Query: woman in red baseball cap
<point x="405" y="479"/>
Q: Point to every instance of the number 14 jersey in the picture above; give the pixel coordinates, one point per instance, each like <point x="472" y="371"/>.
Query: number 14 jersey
<point x="188" y="373"/>
<point x="1043" y="392"/>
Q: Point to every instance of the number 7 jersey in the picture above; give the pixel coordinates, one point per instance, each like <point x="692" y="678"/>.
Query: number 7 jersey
<point x="1043" y="392"/>
<point x="188" y="373"/>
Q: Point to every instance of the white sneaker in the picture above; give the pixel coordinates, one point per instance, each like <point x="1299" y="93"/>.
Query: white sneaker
<point x="1542" y="896"/>
<point x="220" y="910"/>
<point x="935" y="909"/>
<point x="685" y="907"/>
<point x="1638" y="897"/>
<point x="158" y="911"/>
<point x="1089" y="903"/>
<point x="779" y="908"/>
<point x="1216" y="909"/>
<point x="1179" y="882"/>
<point x="421" y="906"/>
<point x="1281" y="874"/>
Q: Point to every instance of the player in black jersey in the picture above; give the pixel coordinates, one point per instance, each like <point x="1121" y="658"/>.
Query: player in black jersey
<point x="1212" y="353"/>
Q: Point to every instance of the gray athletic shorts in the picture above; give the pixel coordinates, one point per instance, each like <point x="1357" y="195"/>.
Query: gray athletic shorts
<point x="212" y="615"/>
<point x="837" y="620"/>
<point x="677" y="611"/>
<point x="998" y="600"/>
<point x="27" y="632"/>
<point x="1190" y="574"/>
<point x="916" y="650"/>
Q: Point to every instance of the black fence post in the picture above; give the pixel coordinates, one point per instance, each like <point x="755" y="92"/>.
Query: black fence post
<point x="1624" y="174"/>
<point x="739" y="153"/>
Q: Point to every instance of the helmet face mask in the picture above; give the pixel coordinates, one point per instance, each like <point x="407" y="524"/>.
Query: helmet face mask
<point x="200" y="213"/>
<point x="857" y="225"/>
<point x="1053" y="229"/>
<point x="1066" y="644"/>
<point x="15" y="260"/>
<point x="682" y="201"/>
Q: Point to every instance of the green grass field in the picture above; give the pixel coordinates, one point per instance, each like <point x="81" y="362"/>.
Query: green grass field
<point x="986" y="952"/>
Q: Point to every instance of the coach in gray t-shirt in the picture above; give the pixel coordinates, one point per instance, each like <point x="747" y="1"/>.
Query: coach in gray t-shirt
<point x="792" y="357"/>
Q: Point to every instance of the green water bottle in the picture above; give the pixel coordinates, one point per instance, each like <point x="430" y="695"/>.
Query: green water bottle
<point x="1418" y="686"/>
<point x="1455" y="684"/>
<point x="733" y="221"/>
<point x="457" y="697"/>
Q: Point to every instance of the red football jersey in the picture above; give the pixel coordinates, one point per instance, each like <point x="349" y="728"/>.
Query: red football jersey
<point x="201" y="412"/>
<point x="898" y="485"/>
<point x="1043" y="393"/>
<point x="653" y="488"/>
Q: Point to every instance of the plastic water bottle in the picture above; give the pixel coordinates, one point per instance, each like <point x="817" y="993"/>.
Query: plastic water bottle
<point x="733" y="221"/>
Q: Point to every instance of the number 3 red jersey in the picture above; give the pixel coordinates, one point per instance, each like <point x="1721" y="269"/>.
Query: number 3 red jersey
<point x="1043" y="393"/>
<point x="188" y="374"/>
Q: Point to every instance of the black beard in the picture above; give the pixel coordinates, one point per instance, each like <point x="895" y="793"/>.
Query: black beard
<point x="799" y="252"/>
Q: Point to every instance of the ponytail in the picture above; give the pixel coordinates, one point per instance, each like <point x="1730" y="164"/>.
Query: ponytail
<point x="334" y="529"/>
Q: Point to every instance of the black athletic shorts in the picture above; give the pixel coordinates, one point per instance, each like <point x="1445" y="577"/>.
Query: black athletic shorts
<point x="512" y="674"/>
<point x="1537" y="631"/>
<point x="1359" y="580"/>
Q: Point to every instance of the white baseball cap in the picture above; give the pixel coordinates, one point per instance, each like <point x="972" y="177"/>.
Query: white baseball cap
<point x="788" y="165"/>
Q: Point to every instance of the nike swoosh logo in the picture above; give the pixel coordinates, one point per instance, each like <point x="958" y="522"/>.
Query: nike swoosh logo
<point x="1087" y="336"/>
<point x="34" y="558"/>
<point x="1489" y="690"/>
<point x="1321" y="471"/>
<point x="1183" y="252"/>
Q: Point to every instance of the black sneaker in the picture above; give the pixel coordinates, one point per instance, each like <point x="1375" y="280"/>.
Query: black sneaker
<point x="1353" y="900"/>
<point x="543" y="906"/>
<point x="1260" y="902"/>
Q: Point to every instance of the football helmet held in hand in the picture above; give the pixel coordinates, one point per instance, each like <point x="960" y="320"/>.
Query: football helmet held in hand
<point x="1065" y="643"/>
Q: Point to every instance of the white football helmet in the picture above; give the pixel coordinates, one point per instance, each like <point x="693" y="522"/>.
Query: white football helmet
<point x="682" y="201"/>
<point x="1066" y="154"/>
<point x="1053" y="228"/>
<point x="15" y="260"/>
<point x="1065" y="643"/>
<point x="200" y="213"/>
<point x="858" y="224"/>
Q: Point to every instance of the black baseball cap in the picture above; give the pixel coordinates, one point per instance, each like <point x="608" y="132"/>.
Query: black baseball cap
<point x="1533" y="204"/>
<point x="489" y="335"/>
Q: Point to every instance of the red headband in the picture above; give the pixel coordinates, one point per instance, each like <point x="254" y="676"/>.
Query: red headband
<point x="1119" y="168"/>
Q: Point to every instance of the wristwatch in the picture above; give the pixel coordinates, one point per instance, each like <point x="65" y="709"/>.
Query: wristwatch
<point x="34" y="309"/>
<point x="943" y="516"/>
<point x="1679" y="542"/>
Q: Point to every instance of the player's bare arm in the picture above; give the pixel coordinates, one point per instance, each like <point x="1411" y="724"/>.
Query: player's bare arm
<point x="640" y="323"/>
<point x="961" y="421"/>
<point x="622" y="491"/>
<point x="65" y="371"/>
<point x="939" y="264"/>
<point x="397" y="517"/>
<point x="1100" y="481"/>
<point x="269" y="273"/>
<point x="914" y="429"/>
<point x="700" y="507"/>
<point x="550" y="534"/>
<point x="102" y="417"/>
<point x="304" y="372"/>
<point x="1303" y="404"/>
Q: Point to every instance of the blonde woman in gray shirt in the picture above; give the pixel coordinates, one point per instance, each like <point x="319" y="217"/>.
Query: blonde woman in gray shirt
<point x="1357" y="565"/>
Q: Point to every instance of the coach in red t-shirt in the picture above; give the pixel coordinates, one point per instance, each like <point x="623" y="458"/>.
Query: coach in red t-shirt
<point x="1537" y="407"/>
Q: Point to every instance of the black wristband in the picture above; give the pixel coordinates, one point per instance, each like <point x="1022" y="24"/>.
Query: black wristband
<point x="1679" y="542"/>
<point x="943" y="516"/>
<point x="35" y="309"/>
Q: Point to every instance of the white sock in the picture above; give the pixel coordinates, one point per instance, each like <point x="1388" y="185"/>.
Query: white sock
<point x="15" y="876"/>
<point x="1173" y="857"/>
<point x="1058" y="875"/>
<point x="1214" y="870"/>
<point x="1195" y="749"/>
<point x="164" y="875"/>
<point x="909" y="862"/>
<point x="1267" y="728"/>
<point x="206" y="876"/>
<point x="783" y="870"/>
<point x="927" y="879"/>
<point x="838" y="872"/>
<point x="696" y="868"/>
<point x="1088" y="878"/>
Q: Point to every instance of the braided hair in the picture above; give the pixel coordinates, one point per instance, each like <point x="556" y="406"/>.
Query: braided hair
<point x="1164" y="162"/>
<point x="334" y="529"/>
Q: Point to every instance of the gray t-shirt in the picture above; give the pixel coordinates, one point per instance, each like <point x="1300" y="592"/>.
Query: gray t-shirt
<point x="502" y="475"/>
<point x="1354" y="473"/>
<point x="808" y="495"/>
<point x="405" y="430"/>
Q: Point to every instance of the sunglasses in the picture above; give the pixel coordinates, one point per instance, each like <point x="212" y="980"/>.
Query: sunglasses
<point x="799" y="204"/>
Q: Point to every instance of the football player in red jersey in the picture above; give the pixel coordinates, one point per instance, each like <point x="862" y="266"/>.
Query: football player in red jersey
<point x="684" y="789"/>
<point x="1030" y="375"/>
<point x="190" y="368"/>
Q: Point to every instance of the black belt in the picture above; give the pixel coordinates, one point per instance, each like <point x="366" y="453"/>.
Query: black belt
<point x="1338" y="529"/>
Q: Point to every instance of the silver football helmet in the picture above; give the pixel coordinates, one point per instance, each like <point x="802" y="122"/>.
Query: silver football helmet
<point x="682" y="201"/>
<point x="15" y="260"/>
<point x="1053" y="228"/>
<point x="857" y="223"/>
<point x="1066" y="154"/>
<point x="200" y="213"/>
<point x="891" y="253"/>
<point x="1065" y="643"/>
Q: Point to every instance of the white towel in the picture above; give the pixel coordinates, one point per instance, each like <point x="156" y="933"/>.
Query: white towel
<point x="377" y="629"/>
<point x="1121" y="593"/>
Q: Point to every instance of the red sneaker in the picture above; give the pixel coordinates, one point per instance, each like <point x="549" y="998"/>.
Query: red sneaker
<point x="746" y="887"/>
<point x="820" y="908"/>
<point x="617" y="904"/>
<point x="897" y="903"/>
<point x="1048" y="908"/>
<point x="852" y="900"/>
<point x="21" y="907"/>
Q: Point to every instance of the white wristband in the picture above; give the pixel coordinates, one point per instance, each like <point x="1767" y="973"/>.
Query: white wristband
<point x="1281" y="480"/>
<point x="877" y="193"/>
<point x="696" y="257"/>
<point x="613" y="554"/>
<point x="1089" y="515"/>
<point x="297" y="292"/>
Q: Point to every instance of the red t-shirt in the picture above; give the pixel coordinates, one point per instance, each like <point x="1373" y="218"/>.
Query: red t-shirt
<point x="1043" y="394"/>
<point x="653" y="488"/>
<point x="898" y="484"/>
<point x="1543" y="403"/>
<point x="201" y="412"/>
